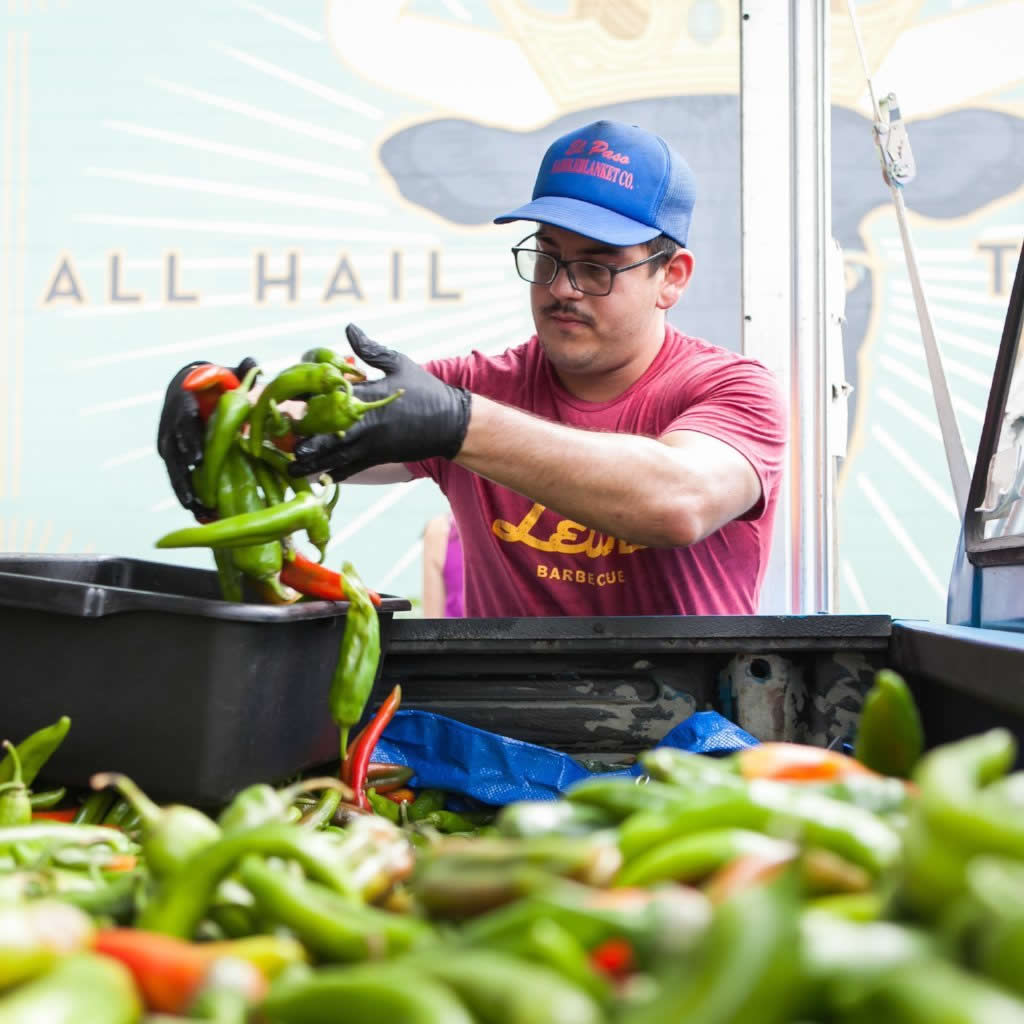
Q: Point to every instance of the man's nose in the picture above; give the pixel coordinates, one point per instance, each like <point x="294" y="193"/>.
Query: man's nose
<point x="562" y="287"/>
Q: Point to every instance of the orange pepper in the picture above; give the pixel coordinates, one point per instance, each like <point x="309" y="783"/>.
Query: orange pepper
<point x="59" y="814"/>
<point x="742" y="872"/>
<point x="122" y="862"/>
<point x="797" y="762"/>
<point x="168" y="971"/>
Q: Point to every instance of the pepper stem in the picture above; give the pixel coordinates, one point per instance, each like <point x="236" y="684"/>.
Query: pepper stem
<point x="17" y="780"/>
<point x="147" y="809"/>
<point x="362" y="406"/>
<point x="289" y="793"/>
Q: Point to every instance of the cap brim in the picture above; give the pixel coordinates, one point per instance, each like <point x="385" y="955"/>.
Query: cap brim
<point x="584" y="218"/>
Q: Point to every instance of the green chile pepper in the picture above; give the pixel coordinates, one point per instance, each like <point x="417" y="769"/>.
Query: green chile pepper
<point x="547" y="942"/>
<point x="360" y="654"/>
<point x="322" y="811"/>
<point x="503" y="989"/>
<point x="366" y="992"/>
<point x="306" y="511"/>
<point x="238" y="494"/>
<point x="427" y="802"/>
<point x="935" y="990"/>
<point x="83" y="988"/>
<point x="685" y="768"/>
<point x="660" y="923"/>
<point x="890" y="738"/>
<point x="278" y="461"/>
<point x="15" y="803"/>
<point x="229" y="577"/>
<point x="260" y="804"/>
<point x="178" y="904"/>
<point x="622" y="797"/>
<point x="56" y="834"/>
<point x="34" y="935"/>
<point x="952" y="778"/>
<point x="993" y="911"/>
<point x="550" y="818"/>
<point x="328" y="355"/>
<point x="48" y="798"/>
<point x="115" y="900"/>
<point x="383" y="806"/>
<point x="745" y="971"/>
<point x="170" y="835"/>
<point x="840" y="957"/>
<point x="331" y="926"/>
<point x="336" y="411"/>
<point x="229" y="416"/>
<point x="271" y="484"/>
<point x="450" y="821"/>
<point x="95" y="807"/>
<point x="35" y="751"/>
<point x="690" y="857"/>
<point x="765" y="806"/>
<point x="875" y="793"/>
<point x="301" y="379"/>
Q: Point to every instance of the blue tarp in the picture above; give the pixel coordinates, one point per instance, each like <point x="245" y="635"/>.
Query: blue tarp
<point x="450" y="755"/>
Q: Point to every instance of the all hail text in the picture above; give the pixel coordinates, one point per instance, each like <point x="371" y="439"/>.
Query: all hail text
<point x="273" y="277"/>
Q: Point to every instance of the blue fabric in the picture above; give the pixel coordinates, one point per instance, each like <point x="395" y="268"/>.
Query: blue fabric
<point x="470" y="762"/>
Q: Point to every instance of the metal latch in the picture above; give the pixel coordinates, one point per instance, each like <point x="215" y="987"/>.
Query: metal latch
<point x="898" y="167"/>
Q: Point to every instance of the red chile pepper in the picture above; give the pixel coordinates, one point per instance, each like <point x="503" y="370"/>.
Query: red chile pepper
<point x="315" y="580"/>
<point x="614" y="957"/>
<point x="58" y="814"/>
<point x="208" y="382"/>
<point x="359" y="755"/>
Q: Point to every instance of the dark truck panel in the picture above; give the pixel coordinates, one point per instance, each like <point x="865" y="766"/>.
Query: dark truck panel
<point x="613" y="686"/>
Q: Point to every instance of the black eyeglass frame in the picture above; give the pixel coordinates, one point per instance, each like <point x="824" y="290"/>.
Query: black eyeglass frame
<point x="567" y="264"/>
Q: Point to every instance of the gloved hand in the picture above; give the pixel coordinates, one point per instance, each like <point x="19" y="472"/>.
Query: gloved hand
<point x="429" y="419"/>
<point x="180" y="435"/>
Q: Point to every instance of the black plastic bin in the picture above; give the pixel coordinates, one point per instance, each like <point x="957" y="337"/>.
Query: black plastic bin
<point x="191" y="696"/>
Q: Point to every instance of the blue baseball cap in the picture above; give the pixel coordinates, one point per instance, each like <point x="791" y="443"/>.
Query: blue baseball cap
<point x="612" y="182"/>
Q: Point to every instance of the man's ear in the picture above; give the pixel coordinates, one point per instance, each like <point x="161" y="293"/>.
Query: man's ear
<point x="676" y="276"/>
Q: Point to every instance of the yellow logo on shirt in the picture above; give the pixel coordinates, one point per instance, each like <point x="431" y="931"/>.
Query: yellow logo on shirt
<point x="569" y="538"/>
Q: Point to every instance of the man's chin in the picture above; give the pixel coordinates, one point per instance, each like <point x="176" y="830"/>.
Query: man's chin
<point x="570" y="358"/>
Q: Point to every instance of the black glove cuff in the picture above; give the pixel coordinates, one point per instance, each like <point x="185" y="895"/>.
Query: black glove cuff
<point x="461" y="425"/>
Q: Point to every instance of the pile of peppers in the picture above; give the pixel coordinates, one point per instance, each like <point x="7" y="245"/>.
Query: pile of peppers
<point x="778" y="885"/>
<point x="243" y="477"/>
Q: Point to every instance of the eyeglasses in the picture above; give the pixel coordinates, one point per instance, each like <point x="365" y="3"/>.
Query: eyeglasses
<point x="590" y="278"/>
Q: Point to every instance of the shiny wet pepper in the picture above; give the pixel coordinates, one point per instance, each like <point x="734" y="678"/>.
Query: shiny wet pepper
<point x="890" y="737"/>
<point x="357" y="663"/>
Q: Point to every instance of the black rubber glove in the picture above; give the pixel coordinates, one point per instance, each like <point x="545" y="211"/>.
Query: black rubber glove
<point x="180" y="435"/>
<point x="429" y="419"/>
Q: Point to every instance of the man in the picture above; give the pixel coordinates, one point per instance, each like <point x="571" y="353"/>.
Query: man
<point x="610" y="465"/>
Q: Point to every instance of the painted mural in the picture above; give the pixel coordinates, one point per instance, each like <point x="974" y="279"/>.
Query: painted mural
<point x="245" y="178"/>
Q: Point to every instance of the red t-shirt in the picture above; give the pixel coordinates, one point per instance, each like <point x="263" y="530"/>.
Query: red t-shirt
<point x="522" y="559"/>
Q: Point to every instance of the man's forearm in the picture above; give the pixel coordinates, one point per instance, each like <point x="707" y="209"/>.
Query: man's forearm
<point x="634" y="488"/>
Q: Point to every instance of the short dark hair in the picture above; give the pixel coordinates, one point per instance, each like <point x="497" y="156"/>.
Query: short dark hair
<point x="658" y="246"/>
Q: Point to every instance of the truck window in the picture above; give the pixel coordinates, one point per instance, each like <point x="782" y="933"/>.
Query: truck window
<point x="995" y="521"/>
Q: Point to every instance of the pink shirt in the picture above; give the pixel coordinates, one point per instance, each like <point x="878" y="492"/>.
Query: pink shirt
<point x="451" y="573"/>
<point x="522" y="559"/>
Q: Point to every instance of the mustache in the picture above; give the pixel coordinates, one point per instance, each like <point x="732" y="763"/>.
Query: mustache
<point x="567" y="309"/>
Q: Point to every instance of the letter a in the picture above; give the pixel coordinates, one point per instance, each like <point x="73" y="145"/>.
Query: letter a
<point x="64" y="284"/>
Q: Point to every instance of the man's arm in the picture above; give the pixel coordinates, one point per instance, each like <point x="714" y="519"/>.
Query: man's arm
<point x="661" y="492"/>
<point x="388" y="473"/>
<point x="435" y="546"/>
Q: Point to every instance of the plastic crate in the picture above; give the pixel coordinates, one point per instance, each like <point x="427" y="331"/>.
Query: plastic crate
<point x="192" y="696"/>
